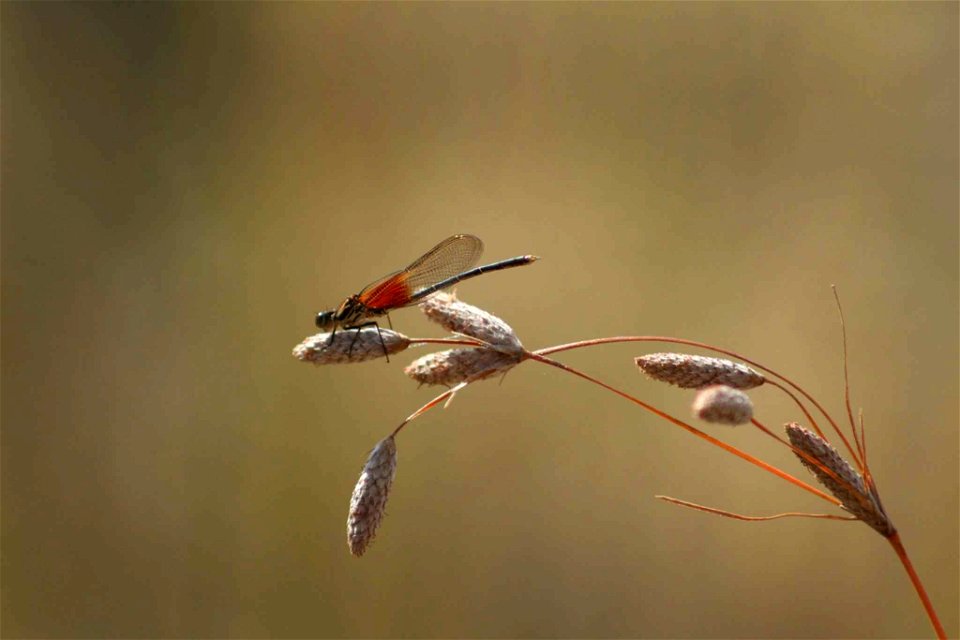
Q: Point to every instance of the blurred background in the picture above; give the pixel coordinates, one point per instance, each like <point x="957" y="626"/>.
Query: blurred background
<point x="185" y="185"/>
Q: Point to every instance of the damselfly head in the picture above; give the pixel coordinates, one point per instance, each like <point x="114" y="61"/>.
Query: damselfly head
<point x="325" y="319"/>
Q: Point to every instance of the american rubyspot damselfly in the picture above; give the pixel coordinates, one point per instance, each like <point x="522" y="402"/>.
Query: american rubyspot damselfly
<point x="442" y="267"/>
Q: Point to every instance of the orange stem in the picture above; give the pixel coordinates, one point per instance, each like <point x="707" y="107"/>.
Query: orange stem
<point x="733" y="354"/>
<point x="898" y="547"/>
<point x="740" y="516"/>
<point x="700" y="434"/>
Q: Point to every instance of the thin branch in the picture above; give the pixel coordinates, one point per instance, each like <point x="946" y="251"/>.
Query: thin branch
<point x="803" y="407"/>
<point x="440" y="398"/>
<point x="901" y="552"/>
<point x="846" y="380"/>
<point x="738" y="516"/>
<point x="701" y="345"/>
<point x="700" y="434"/>
<point x="469" y="342"/>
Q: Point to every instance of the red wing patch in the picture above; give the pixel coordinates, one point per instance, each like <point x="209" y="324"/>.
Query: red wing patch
<point x="388" y="294"/>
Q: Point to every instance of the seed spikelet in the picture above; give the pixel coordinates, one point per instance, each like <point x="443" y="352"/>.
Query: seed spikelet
<point x="695" y="372"/>
<point x="466" y="319"/>
<point x="848" y="486"/>
<point x="721" y="404"/>
<point x="369" y="500"/>
<point x="350" y="346"/>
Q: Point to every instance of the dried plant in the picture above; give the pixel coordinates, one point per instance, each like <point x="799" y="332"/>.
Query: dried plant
<point x="696" y="372"/>
<point x="492" y="348"/>
<point x="836" y="474"/>
<point x="357" y="345"/>
<point x="721" y="404"/>
<point x="459" y="317"/>
<point x="369" y="499"/>
<point x="454" y="366"/>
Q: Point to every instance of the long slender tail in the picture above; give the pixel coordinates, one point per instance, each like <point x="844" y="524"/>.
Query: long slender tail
<point x="509" y="263"/>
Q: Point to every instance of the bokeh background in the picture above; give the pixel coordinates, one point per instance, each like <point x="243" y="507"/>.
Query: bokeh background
<point x="186" y="184"/>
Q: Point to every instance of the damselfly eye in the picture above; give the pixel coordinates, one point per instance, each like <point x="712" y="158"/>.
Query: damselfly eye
<point x="324" y="319"/>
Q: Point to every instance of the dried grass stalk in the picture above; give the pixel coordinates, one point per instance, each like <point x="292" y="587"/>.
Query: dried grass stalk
<point x="850" y="489"/>
<point x="721" y="404"/>
<point x="369" y="498"/>
<point x="695" y="372"/>
<point x="460" y="317"/>
<point x="350" y="346"/>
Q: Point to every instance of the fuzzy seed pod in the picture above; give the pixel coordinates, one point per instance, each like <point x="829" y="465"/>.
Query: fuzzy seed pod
<point x="695" y="372"/>
<point x="721" y="404"/>
<point x="350" y="345"/>
<point x="369" y="498"/>
<point x="850" y="489"/>
<point x="460" y="317"/>
<point x="458" y="365"/>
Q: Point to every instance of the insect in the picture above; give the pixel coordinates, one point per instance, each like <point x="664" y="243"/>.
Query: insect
<point x="442" y="267"/>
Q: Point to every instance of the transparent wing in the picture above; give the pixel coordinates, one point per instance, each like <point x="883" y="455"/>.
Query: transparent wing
<point x="454" y="255"/>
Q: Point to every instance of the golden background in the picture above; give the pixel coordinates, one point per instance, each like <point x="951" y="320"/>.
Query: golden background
<point x="186" y="185"/>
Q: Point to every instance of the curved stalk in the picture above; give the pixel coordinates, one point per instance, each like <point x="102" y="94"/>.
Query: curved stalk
<point x="702" y="345"/>
<point x="901" y="552"/>
<point x="683" y="425"/>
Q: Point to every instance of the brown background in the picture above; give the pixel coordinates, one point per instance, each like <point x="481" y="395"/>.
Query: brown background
<point x="185" y="185"/>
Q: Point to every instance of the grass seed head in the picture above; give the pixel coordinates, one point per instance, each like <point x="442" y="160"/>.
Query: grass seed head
<point x="695" y="372"/>
<point x="369" y="500"/>
<point x="850" y="489"/>
<point x="721" y="404"/>
<point x="460" y="317"/>
<point x="459" y="365"/>
<point x="319" y="350"/>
